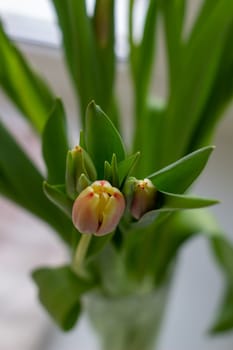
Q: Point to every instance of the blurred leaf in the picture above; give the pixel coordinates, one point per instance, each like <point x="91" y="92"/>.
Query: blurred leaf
<point x="174" y="15"/>
<point x="57" y="195"/>
<point x="224" y="320"/>
<point x="97" y="244"/>
<point x="126" y="166"/>
<point x="177" y="177"/>
<point x="102" y="138"/>
<point x="104" y="32"/>
<point x="145" y="59"/>
<point x="55" y="144"/>
<point x="22" y="182"/>
<point x="223" y="251"/>
<point x="151" y="132"/>
<point x="188" y="97"/>
<point x="25" y="89"/>
<point x="219" y="98"/>
<point x="60" y="291"/>
<point x="91" y="67"/>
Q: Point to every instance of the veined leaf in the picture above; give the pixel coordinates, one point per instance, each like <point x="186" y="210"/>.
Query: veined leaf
<point x="25" y="89"/>
<point x="102" y="138"/>
<point x="55" y="144"/>
<point x="60" y="291"/>
<point x="178" y="176"/>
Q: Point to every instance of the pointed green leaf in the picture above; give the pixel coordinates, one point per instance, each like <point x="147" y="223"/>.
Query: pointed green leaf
<point x="55" y="144"/>
<point x="57" y="195"/>
<point x="114" y="169"/>
<point x="178" y="176"/>
<point x="60" y="291"/>
<point x="25" y="89"/>
<point x="126" y="166"/>
<point x="173" y="201"/>
<point x="102" y="138"/>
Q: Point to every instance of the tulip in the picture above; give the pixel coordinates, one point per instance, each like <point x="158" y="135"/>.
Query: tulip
<point x="98" y="208"/>
<point x="144" y="196"/>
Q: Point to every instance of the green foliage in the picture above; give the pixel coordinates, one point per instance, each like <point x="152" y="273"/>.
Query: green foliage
<point x="57" y="195"/>
<point x="177" y="177"/>
<point x="200" y="77"/>
<point x="102" y="138"/>
<point x="224" y="252"/>
<point x="55" y="144"/>
<point x="60" y="291"/>
<point x="22" y="182"/>
<point x="24" y="87"/>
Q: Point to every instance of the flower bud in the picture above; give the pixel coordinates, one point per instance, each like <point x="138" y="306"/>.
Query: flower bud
<point x="143" y="199"/>
<point x="78" y="163"/>
<point x="98" y="208"/>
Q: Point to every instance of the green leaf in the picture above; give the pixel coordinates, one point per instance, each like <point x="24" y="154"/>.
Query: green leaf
<point x="145" y="59"/>
<point x="173" y="14"/>
<point x="25" y="89"/>
<point x="178" y="176"/>
<point x="126" y="166"/>
<point x="104" y="35"/>
<point x="224" y="320"/>
<point x="97" y="244"/>
<point x="22" y="182"/>
<point x="57" y="195"/>
<point x="91" y="66"/>
<point x="188" y="96"/>
<point x="223" y="251"/>
<point x="219" y="98"/>
<point x="151" y="138"/>
<point x="172" y="202"/>
<point x="60" y="291"/>
<point x="102" y="138"/>
<point x="55" y="144"/>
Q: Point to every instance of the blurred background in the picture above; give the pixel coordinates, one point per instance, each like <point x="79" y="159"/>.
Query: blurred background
<point x="26" y="243"/>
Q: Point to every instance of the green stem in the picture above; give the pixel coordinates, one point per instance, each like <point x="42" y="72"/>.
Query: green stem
<point x="80" y="254"/>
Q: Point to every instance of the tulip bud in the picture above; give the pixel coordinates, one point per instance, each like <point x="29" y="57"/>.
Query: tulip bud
<point x="143" y="199"/>
<point x="78" y="163"/>
<point x="98" y="208"/>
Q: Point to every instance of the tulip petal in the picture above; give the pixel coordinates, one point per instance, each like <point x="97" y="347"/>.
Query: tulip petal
<point x="112" y="214"/>
<point x="85" y="212"/>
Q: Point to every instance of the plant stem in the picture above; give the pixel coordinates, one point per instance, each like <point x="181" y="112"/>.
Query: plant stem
<point x="80" y="254"/>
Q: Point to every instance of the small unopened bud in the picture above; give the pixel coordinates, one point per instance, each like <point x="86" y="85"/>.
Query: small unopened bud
<point x="78" y="163"/>
<point x="98" y="208"/>
<point x="144" y="196"/>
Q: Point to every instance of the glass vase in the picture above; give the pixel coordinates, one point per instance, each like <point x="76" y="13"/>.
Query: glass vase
<point x="130" y="322"/>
